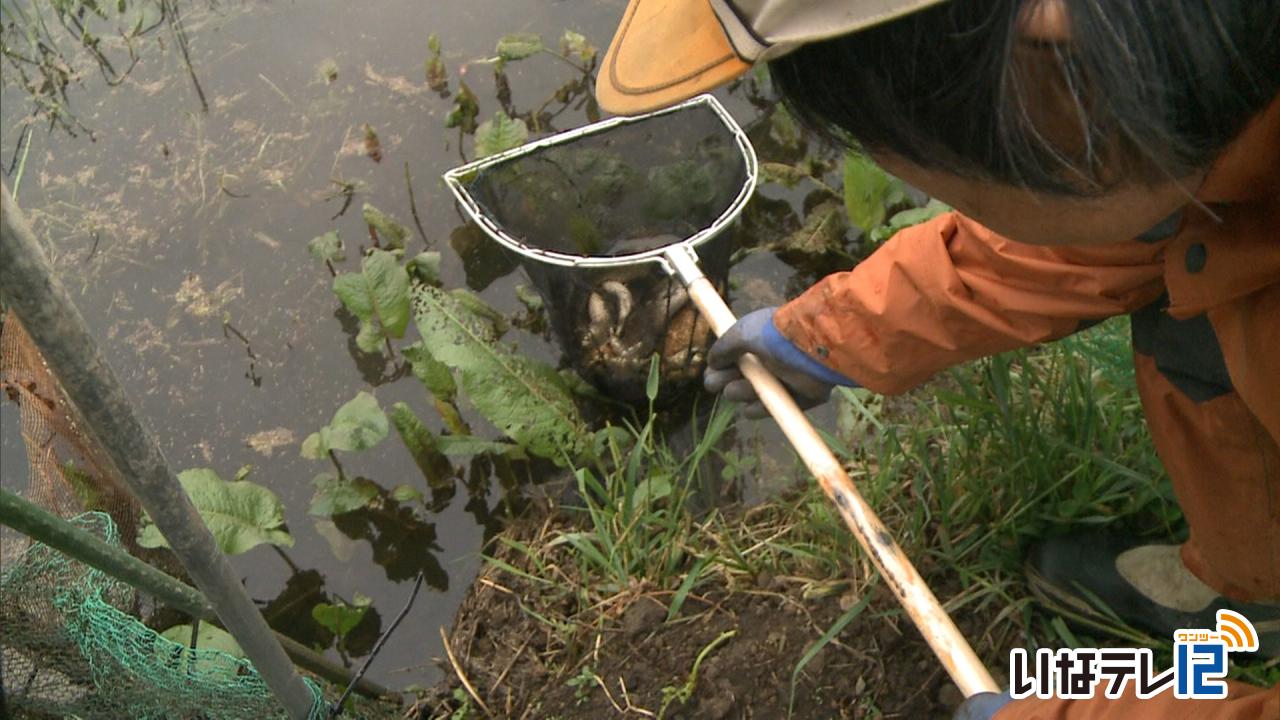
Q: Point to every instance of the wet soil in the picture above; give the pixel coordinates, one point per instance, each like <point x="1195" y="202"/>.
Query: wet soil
<point x="529" y="657"/>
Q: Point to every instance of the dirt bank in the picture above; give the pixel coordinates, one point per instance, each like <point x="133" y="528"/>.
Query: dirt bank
<point x="528" y="652"/>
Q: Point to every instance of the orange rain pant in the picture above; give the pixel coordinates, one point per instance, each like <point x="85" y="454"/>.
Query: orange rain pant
<point x="1244" y="702"/>
<point x="1233" y="510"/>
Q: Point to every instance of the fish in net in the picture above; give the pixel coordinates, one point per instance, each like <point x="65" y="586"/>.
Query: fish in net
<point x="589" y="214"/>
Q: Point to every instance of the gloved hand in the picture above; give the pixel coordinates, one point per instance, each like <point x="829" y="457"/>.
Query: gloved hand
<point x="982" y="706"/>
<point x="809" y="381"/>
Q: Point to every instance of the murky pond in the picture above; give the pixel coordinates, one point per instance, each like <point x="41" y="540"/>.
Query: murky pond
<point x="183" y="234"/>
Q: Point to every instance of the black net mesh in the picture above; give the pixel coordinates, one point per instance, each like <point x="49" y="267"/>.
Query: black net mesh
<point x="621" y="191"/>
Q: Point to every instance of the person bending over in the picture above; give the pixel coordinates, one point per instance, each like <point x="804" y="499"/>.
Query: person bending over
<point x="1103" y="158"/>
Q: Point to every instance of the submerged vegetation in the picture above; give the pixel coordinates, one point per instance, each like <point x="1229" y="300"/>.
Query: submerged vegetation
<point x="50" y="46"/>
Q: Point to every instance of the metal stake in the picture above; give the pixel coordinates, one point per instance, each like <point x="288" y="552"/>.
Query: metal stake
<point x="28" y="285"/>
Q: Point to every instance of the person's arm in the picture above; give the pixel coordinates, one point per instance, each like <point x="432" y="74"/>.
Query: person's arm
<point x="950" y="290"/>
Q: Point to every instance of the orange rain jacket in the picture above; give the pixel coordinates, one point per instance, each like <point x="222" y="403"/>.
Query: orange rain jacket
<point x="1204" y="295"/>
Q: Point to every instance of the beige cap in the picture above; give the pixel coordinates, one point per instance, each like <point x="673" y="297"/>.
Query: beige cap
<point x="666" y="51"/>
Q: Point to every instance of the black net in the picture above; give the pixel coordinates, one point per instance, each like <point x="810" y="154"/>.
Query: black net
<point x="625" y="190"/>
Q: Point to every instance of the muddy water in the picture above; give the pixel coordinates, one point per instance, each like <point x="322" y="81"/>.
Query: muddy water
<point x="182" y="235"/>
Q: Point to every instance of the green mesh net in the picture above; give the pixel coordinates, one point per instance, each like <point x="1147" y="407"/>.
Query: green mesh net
<point x="71" y="643"/>
<point x="72" y="648"/>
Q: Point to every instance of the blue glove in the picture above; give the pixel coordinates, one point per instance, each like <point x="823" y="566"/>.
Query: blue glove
<point x="809" y="381"/>
<point x="982" y="706"/>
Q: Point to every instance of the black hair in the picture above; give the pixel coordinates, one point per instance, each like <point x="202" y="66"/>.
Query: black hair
<point x="1141" y="90"/>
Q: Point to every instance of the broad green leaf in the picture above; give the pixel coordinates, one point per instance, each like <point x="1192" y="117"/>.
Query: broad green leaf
<point x="572" y="43"/>
<point x="327" y="247"/>
<point x="518" y="46"/>
<point x="434" y="374"/>
<point x="209" y="637"/>
<point x="355" y="293"/>
<point x="358" y="425"/>
<point x="651" y="490"/>
<point x="869" y="191"/>
<point x="476" y="305"/>
<point x="438" y="379"/>
<point x="241" y="515"/>
<point x="339" y="618"/>
<point x="823" y="231"/>
<point x="524" y="398"/>
<point x="907" y="218"/>
<point x="316" y="446"/>
<point x="405" y="494"/>
<point x="422" y="445"/>
<point x="391" y="233"/>
<point x="612" y="439"/>
<point x="783" y="128"/>
<point x="425" y="267"/>
<point x="379" y="296"/>
<point x="335" y="495"/>
<point x="500" y="133"/>
<point x="242" y="473"/>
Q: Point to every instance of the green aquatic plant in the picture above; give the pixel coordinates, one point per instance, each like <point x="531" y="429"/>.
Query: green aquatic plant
<point x="51" y="45"/>
<point x="240" y="514"/>
<point x="335" y="495"/>
<point x="437" y="74"/>
<point x="379" y="297"/>
<point x="358" y="425"/>
<point x="526" y="399"/>
<point x="385" y="231"/>
<point x="500" y="133"/>
<point x="870" y="192"/>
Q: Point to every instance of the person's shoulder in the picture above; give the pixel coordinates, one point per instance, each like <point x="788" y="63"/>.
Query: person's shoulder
<point x="1249" y="168"/>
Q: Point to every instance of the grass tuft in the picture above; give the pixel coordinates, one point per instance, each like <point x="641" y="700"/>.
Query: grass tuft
<point x="968" y="472"/>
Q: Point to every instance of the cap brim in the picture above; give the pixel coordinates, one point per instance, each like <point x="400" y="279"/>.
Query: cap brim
<point x="665" y="51"/>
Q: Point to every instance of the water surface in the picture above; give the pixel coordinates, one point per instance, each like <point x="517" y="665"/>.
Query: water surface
<point x="182" y="235"/>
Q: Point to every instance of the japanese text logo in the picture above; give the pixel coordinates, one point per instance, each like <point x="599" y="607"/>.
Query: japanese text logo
<point x="1198" y="672"/>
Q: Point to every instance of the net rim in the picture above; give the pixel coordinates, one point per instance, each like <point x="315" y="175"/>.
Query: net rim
<point x="454" y="179"/>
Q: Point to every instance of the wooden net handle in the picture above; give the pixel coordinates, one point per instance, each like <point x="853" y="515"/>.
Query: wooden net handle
<point x="952" y="650"/>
